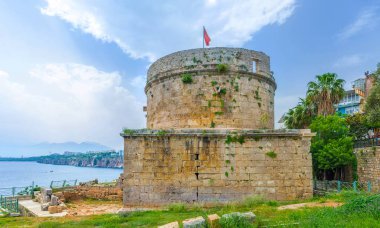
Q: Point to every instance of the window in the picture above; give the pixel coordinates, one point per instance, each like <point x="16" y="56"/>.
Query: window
<point x="254" y="66"/>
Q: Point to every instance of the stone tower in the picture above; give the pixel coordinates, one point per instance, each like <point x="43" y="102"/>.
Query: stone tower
<point x="245" y="99"/>
<point x="210" y="134"/>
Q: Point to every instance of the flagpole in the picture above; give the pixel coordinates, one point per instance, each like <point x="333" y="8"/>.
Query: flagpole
<point x="203" y="35"/>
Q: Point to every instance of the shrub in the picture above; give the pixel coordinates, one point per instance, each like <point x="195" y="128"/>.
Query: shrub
<point x="253" y="201"/>
<point x="161" y="133"/>
<point x="222" y="91"/>
<point x="127" y="131"/>
<point x="235" y="221"/>
<point x="187" y="78"/>
<point x="233" y="138"/>
<point x="222" y="68"/>
<point x="271" y="154"/>
<point x="177" y="207"/>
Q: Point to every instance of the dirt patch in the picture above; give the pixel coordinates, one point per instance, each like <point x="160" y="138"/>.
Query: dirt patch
<point x="311" y="204"/>
<point x="86" y="207"/>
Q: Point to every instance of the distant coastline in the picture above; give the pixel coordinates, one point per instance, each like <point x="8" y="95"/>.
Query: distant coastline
<point x="104" y="159"/>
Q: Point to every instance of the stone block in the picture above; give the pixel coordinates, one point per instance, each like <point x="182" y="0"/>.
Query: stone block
<point x="213" y="221"/>
<point x="198" y="222"/>
<point x="249" y="216"/>
<point x="47" y="191"/>
<point x="54" y="200"/>
<point x="170" y="225"/>
<point x="45" y="206"/>
<point x="53" y="209"/>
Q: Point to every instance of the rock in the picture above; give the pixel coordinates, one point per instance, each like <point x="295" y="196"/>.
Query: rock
<point x="64" y="207"/>
<point x="170" y="225"/>
<point x="45" y="206"/>
<point x="53" y="209"/>
<point x="198" y="222"/>
<point x="54" y="200"/>
<point x="59" y="209"/>
<point x="46" y="199"/>
<point x="249" y="216"/>
<point x="213" y="221"/>
<point x="47" y="191"/>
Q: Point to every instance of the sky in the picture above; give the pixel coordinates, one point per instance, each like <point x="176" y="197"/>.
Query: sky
<point x="74" y="70"/>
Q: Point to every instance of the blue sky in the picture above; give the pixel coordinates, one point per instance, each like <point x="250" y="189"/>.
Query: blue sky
<point x="74" y="70"/>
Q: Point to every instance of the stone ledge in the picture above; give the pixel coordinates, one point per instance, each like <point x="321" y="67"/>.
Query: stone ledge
<point x="163" y="76"/>
<point x="220" y="132"/>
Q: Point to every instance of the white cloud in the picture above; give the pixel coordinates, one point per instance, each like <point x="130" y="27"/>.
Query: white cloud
<point x="138" y="82"/>
<point x="366" y="19"/>
<point x="144" y="29"/>
<point x="349" y="61"/>
<point x="67" y="102"/>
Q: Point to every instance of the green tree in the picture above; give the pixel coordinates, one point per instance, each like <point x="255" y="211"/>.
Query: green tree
<point x="372" y="107"/>
<point x="301" y="115"/>
<point x="357" y="125"/>
<point x="325" y="92"/>
<point x="332" y="147"/>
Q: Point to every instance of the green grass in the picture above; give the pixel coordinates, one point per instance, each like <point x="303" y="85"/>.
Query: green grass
<point x="358" y="210"/>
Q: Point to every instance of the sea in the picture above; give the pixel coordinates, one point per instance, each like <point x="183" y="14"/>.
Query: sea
<point x="21" y="174"/>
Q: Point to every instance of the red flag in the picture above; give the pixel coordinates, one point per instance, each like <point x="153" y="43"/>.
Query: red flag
<point x="206" y="37"/>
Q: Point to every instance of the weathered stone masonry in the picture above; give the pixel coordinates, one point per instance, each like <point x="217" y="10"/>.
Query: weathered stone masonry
<point x="201" y="145"/>
<point x="249" y="98"/>
<point x="368" y="166"/>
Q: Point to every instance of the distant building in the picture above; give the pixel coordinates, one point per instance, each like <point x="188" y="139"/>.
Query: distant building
<point x="354" y="100"/>
<point x="350" y="103"/>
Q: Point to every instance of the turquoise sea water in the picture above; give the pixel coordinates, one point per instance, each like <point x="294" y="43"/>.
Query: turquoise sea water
<point x="19" y="174"/>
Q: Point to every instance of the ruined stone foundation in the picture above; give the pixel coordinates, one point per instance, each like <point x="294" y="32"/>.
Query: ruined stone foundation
<point x="211" y="138"/>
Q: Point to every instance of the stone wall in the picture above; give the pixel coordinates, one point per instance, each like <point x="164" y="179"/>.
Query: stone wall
<point x="92" y="192"/>
<point x="368" y="168"/>
<point x="248" y="100"/>
<point x="194" y="165"/>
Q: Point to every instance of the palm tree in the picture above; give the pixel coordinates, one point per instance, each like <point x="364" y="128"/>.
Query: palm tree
<point x="301" y="115"/>
<point x="325" y="92"/>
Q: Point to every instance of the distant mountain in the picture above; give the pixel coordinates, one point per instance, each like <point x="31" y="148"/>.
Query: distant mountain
<point x="69" y="146"/>
<point x="46" y="148"/>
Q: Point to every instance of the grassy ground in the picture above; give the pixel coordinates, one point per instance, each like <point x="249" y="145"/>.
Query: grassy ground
<point x="359" y="210"/>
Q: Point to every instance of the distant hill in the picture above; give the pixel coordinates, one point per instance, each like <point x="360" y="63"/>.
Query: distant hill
<point x="49" y="148"/>
<point x="69" y="146"/>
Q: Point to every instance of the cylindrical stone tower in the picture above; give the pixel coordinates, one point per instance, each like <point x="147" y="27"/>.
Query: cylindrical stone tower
<point x="211" y="88"/>
<point x="210" y="136"/>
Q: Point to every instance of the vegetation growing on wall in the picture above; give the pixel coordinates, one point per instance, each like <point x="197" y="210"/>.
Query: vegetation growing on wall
<point x="187" y="78"/>
<point x="161" y="133"/>
<point x="271" y="154"/>
<point x="235" y="138"/>
<point x="222" y="68"/>
<point x="127" y="131"/>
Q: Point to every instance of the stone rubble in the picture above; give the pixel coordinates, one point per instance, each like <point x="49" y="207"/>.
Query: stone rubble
<point x="49" y="202"/>
<point x="170" y="225"/>
<point x="198" y="222"/>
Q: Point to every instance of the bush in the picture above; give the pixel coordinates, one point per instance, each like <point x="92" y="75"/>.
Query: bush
<point x="366" y="204"/>
<point x="271" y="154"/>
<point x="187" y="78"/>
<point x="253" y="201"/>
<point x="127" y="131"/>
<point x="222" y="68"/>
<point x="177" y="207"/>
<point x="234" y="221"/>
